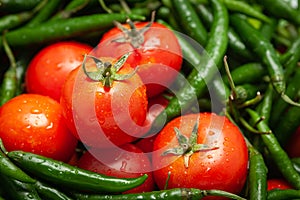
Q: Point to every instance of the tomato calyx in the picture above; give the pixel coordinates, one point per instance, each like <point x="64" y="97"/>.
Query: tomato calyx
<point x="132" y="35"/>
<point x="188" y="146"/>
<point x="107" y="71"/>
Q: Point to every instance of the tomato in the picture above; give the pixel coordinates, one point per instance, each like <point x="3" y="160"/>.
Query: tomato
<point x="156" y="53"/>
<point x="34" y="123"/>
<point x="125" y="162"/>
<point x="293" y="145"/>
<point x="104" y="116"/>
<point x="219" y="163"/>
<point x="48" y="69"/>
<point x="278" y="184"/>
<point x="155" y="107"/>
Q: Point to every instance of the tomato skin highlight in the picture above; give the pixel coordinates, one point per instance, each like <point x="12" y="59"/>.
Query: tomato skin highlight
<point x="127" y="162"/>
<point x="120" y="111"/>
<point x="224" y="168"/>
<point x="34" y="123"/>
<point x="159" y="57"/>
<point x="278" y="184"/>
<point x="49" y="68"/>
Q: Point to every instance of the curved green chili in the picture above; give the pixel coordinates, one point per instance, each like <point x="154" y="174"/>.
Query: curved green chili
<point x="71" y="8"/>
<point x="265" y="107"/>
<point x="247" y="73"/>
<point x="17" y="190"/>
<point x="49" y="192"/>
<point x="9" y="84"/>
<point x="10" y="170"/>
<point x="292" y="62"/>
<point x="245" y="8"/>
<point x="234" y="41"/>
<point x="281" y="9"/>
<point x="76" y="26"/>
<point x="280" y="105"/>
<point x="204" y="71"/>
<point x="264" y="50"/>
<point x="171" y="194"/>
<point x="268" y="29"/>
<point x="286" y="194"/>
<point x="257" y="175"/>
<point x="11" y="21"/>
<point x="71" y="177"/>
<point x="189" y="21"/>
<point x="279" y="156"/>
<point x="18" y="5"/>
<point x="285" y="129"/>
<point x="45" y="12"/>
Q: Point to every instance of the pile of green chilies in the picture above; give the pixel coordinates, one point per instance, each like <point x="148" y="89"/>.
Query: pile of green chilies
<point x="254" y="44"/>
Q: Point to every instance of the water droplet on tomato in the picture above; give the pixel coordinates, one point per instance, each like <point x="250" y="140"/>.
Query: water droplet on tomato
<point x="101" y="120"/>
<point x="50" y="126"/>
<point x="35" y="111"/>
<point x="108" y="172"/>
<point x="123" y="166"/>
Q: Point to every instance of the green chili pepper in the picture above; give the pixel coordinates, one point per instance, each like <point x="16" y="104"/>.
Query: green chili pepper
<point x="265" y="107"/>
<point x="71" y="8"/>
<point x="204" y="71"/>
<point x="234" y="44"/>
<point x="44" y="13"/>
<point x="281" y="9"/>
<point x="286" y="194"/>
<point x="10" y="170"/>
<point x="280" y="105"/>
<point x="71" y="177"/>
<point x="257" y="175"/>
<point x="292" y="62"/>
<point x="9" y="84"/>
<point x="279" y="156"/>
<point x="51" y="31"/>
<point x="264" y="50"/>
<point x="18" y="5"/>
<point x="171" y="194"/>
<point x="11" y="21"/>
<point x="245" y="8"/>
<point x="49" y="192"/>
<point x="285" y="129"/>
<point x="189" y="21"/>
<point x="247" y="73"/>
<point x="17" y="190"/>
<point x="268" y="29"/>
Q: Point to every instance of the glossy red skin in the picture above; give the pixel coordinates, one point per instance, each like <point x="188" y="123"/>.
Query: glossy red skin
<point x="121" y="165"/>
<point x="155" y="107"/>
<point x="224" y="168"/>
<point x="293" y="145"/>
<point x="49" y="68"/>
<point x="104" y="115"/>
<point x="278" y="184"/>
<point x="159" y="58"/>
<point x="34" y="123"/>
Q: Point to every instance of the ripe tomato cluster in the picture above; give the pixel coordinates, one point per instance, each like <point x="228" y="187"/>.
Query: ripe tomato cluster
<point x="106" y="99"/>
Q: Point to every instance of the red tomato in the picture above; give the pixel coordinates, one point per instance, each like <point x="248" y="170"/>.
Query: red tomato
<point x="158" y="55"/>
<point x="221" y="164"/>
<point x="125" y="162"/>
<point x="155" y="107"/>
<point x="102" y="116"/>
<point x="48" y="69"/>
<point x="278" y="184"/>
<point x="293" y="145"/>
<point x="34" y="123"/>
